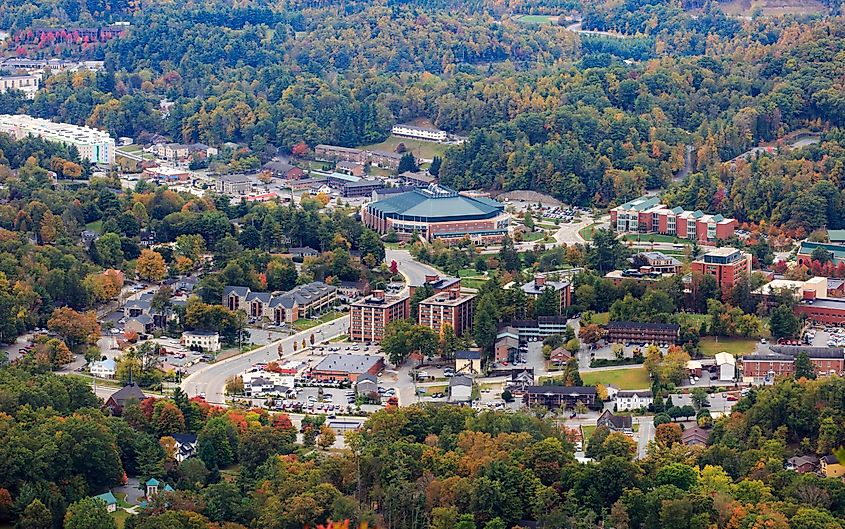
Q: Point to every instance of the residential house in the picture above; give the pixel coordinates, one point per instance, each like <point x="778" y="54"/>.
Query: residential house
<point x="559" y="396"/>
<point x="460" y="388"/>
<point x="616" y="423"/>
<point x="695" y="436"/>
<point x="120" y="398"/>
<point x="206" y="340"/>
<point x="109" y="499"/>
<point x="367" y="386"/>
<point x="829" y="466"/>
<point x="103" y="368"/>
<point x="147" y="237"/>
<point x="141" y="324"/>
<point x="559" y="356"/>
<point x="507" y="345"/>
<point x="186" y="445"/>
<point x="350" y="168"/>
<point x="520" y="380"/>
<point x="633" y="400"/>
<point x="302" y="252"/>
<point x="727" y="366"/>
<point x="803" y="464"/>
<point x="468" y="362"/>
<point x="384" y="159"/>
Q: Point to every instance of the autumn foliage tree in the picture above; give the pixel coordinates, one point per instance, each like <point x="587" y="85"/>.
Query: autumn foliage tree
<point x="74" y="327"/>
<point x="151" y="266"/>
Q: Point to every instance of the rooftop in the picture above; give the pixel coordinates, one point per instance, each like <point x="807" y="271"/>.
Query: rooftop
<point x="641" y="204"/>
<point x="438" y="203"/>
<point x="348" y="363"/>
<point x="467" y="355"/>
<point x="448" y="298"/>
<point x="643" y="325"/>
<point x="562" y="390"/>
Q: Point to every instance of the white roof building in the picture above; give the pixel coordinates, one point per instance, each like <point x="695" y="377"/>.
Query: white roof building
<point x="727" y="366"/>
<point x="93" y="145"/>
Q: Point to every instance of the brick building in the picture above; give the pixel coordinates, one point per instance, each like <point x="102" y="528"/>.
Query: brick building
<point x="781" y="362"/>
<point x="726" y="265"/>
<point x="559" y="396"/>
<point x="448" y="307"/>
<point x="639" y="332"/>
<point x="369" y="316"/>
<point x="563" y="289"/>
<point x="338" y="367"/>
<point x="648" y="215"/>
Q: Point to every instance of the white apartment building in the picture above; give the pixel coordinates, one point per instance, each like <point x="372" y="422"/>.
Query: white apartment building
<point x="93" y="145"/>
<point x="28" y="84"/>
<point x="209" y="341"/>
<point x="420" y="133"/>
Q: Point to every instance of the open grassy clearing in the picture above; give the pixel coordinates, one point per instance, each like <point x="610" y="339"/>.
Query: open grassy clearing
<point x="420" y="148"/>
<point x="626" y="378"/>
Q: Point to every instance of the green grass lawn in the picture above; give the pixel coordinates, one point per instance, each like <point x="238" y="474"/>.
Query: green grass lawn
<point x="533" y="236"/>
<point x="301" y="325"/>
<point x="586" y="433"/>
<point x="627" y="378"/>
<point x="537" y="19"/>
<point x="472" y="282"/>
<point x="96" y="226"/>
<point x="601" y="318"/>
<point x="735" y="346"/>
<point x="656" y="237"/>
<point x="420" y="148"/>
<point x="120" y="517"/>
<point x="587" y="232"/>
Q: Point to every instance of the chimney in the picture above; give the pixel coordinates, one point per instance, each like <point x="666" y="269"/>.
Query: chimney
<point x="431" y="278"/>
<point x="378" y="294"/>
<point x="539" y="281"/>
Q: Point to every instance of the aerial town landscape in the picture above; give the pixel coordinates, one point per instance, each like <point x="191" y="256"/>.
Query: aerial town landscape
<point x="422" y="264"/>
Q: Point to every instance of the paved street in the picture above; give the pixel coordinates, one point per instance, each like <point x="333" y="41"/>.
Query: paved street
<point x="413" y="271"/>
<point x="211" y="379"/>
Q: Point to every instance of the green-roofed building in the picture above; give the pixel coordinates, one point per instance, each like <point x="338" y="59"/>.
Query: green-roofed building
<point x="438" y="213"/>
<point x="109" y="499"/>
<point x="835" y="251"/>
<point x="835" y="236"/>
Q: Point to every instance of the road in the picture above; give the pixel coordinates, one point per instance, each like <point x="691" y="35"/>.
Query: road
<point x="211" y="379"/>
<point x="413" y="271"/>
<point x="645" y="434"/>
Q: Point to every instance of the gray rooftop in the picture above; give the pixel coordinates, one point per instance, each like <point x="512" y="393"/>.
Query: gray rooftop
<point x="348" y="363"/>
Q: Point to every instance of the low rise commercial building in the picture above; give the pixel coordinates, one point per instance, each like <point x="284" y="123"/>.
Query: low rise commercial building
<point x="450" y="307"/>
<point x="233" y="184"/>
<point x="369" y="316"/>
<point x="339" y="368"/>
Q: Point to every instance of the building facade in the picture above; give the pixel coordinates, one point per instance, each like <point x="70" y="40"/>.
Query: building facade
<point x="559" y="396"/>
<point x="233" y="185"/>
<point x="281" y="308"/>
<point x="726" y="265"/>
<point x="28" y="84"/>
<point x="781" y="362"/>
<point x="93" y="145"/>
<point x="340" y="368"/>
<point x="207" y="340"/>
<point x="450" y="307"/>
<point x="563" y="289"/>
<point x="438" y="213"/>
<point x="419" y="133"/>
<point x="648" y="215"/>
<point x="640" y="332"/>
<point x="369" y="316"/>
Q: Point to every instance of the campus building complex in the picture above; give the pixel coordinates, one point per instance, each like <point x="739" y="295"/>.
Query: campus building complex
<point x="28" y="84"/>
<point x="369" y="316"/>
<point x="438" y="213"/>
<point x="93" y="145"/>
<point x="300" y="302"/>
<point x="648" y="215"/>
<point x="726" y="265"/>
<point x="451" y="307"/>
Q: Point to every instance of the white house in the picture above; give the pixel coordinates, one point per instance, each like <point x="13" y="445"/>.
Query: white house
<point x="208" y="340"/>
<point x="104" y="368"/>
<point x="633" y="400"/>
<point x="460" y="389"/>
<point x="186" y="445"/>
<point x="727" y="366"/>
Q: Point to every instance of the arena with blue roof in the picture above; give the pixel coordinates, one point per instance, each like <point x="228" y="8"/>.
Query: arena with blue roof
<point x="438" y="213"/>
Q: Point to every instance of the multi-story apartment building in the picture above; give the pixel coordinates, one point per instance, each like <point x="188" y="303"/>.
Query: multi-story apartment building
<point x="726" y="265"/>
<point x="563" y="289"/>
<point x="93" y="145"/>
<point x="28" y="84"/>
<point x="420" y="133"/>
<point x="648" y="215"/>
<point x="641" y="332"/>
<point x="451" y="307"/>
<point x="369" y="316"/>
<point x="781" y="362"/>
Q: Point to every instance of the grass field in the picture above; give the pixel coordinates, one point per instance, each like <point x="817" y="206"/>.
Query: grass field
<point x="96" y="226"/>
<point x="601" y="318"/>
<point x="472" y="282"/>
<point x="301" y="325"/>
<point x="120" y="517"/>
<point x="735" y="346"/>
<point x="587" y="232"/>
<point x="656" y="237"/>
<point x="587" y="432"/>
<point x="537" y="19"/>
<point x="533" y="236"/>
<point x="630" y="378"/>
<point x="421" y="149"/>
